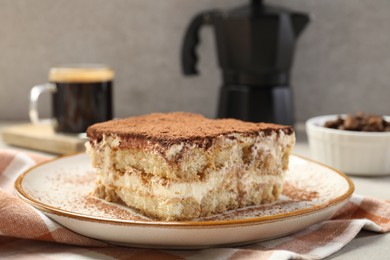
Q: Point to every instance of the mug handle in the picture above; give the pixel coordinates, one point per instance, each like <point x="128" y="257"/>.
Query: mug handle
<point x="35" y="92"/>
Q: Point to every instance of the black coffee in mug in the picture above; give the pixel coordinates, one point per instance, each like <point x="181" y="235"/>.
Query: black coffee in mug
<point x="82" y="96"/>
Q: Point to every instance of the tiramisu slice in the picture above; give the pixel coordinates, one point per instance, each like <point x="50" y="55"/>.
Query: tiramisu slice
<point x="182" y="166"/>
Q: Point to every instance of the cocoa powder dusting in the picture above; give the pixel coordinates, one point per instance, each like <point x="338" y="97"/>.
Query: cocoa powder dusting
<point x="77" y="180"/>
<point x="177" y="127"/>
<point x="111" y="209"/>
<point x="249" y="212"/>
<point x="297" y="194"/>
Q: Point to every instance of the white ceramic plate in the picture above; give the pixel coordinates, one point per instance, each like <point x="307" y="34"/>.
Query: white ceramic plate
<point x="60" y="189"/>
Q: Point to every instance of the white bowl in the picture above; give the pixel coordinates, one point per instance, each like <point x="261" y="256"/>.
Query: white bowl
<point x="356" y="153"/>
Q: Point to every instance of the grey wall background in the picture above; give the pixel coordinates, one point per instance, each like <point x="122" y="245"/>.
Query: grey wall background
<point x="342" y="63"/>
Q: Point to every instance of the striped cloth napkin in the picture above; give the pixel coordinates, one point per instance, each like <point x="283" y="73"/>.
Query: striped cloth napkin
<point x="25" y="233"/>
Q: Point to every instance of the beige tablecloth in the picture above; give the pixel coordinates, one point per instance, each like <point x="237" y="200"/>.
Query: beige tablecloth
<point x="26" y="233"/>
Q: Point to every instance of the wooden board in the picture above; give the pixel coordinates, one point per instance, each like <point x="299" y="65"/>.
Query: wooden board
<point x="42" y="138"/>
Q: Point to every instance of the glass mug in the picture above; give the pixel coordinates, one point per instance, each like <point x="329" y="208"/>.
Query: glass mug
<point x="81" y="96"/>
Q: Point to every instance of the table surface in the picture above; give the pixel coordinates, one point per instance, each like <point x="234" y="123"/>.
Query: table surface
<point x="367" y="245"/>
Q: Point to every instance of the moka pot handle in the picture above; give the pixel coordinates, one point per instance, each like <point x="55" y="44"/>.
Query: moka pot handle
<point x="189" y="57"/>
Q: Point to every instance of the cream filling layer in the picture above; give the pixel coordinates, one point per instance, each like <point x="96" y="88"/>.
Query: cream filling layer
<point x="133" y="182"/>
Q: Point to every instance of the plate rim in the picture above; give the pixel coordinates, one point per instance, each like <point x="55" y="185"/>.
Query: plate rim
<point x="177" y="224"/>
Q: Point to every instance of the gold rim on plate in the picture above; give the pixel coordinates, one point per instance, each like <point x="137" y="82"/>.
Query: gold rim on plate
<point x="220" y="223"/>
